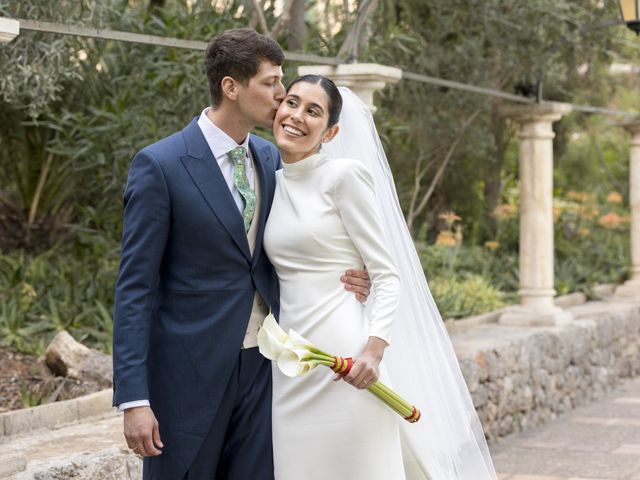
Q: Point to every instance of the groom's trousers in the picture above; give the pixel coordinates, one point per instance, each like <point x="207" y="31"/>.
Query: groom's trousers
<point x="238" y="444"/>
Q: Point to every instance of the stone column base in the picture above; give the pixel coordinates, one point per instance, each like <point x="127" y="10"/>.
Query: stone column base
<point x="629" y="291"/>
<point x="529" y="316"/>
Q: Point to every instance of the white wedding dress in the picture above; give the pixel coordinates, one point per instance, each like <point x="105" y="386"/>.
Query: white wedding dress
<point x="323" y="222"/>
<point x="327" y="218"/>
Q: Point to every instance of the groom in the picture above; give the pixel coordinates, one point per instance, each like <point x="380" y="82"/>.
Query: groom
<point x="195" y="283"/>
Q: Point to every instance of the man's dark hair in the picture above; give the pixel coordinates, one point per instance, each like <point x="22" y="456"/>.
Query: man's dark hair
<point x="238" y="53"/>
<point x="333" y="95"/>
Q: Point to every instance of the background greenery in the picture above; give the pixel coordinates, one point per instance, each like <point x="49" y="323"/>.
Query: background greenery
<point x="73" y="111"/>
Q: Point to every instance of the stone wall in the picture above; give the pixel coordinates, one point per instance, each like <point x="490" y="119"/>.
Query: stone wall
<point x="521" y="377"/>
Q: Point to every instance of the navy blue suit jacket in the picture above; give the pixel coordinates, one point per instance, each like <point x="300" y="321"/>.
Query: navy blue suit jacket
<point x="187" y="279"/>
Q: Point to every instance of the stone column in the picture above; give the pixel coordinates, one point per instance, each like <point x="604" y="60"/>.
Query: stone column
<point x="631" y="288"/>
<point x="536" y="215"/>
<point x="364" y="79"/>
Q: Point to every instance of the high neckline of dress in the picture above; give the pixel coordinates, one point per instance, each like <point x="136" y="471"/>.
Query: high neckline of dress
<point x="305" y="165"/>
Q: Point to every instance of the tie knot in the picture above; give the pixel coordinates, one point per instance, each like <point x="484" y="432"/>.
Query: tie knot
<point x="238" y="155"/>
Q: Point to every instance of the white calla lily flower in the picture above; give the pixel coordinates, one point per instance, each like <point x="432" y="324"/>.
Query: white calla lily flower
<point x="297" y="340"/>
<point x="271" y="338"/>
<point x="293" y="362"/>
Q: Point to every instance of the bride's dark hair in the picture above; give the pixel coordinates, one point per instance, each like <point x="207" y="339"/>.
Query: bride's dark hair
<point x="333" y="94"/>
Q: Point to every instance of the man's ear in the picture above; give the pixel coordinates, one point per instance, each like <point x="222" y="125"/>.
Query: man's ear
<point x="229" y="88"/>
<point x="330" y="133"/>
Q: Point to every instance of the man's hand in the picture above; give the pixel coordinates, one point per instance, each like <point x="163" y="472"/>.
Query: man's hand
<point x="142" y="431"/>
<point x="357" y="281"/>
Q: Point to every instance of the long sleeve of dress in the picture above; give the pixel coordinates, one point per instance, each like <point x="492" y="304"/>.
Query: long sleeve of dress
<point x="356" y="202"/>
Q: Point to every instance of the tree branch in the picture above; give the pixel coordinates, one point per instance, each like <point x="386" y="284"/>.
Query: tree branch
<point x="419" y="173"/>
<point x="283" y="20"/>
<point x="42" y="178"/>
<point x="257" y="8"/>
<point x="443" y="166"/>
<point x="354" y="38"/>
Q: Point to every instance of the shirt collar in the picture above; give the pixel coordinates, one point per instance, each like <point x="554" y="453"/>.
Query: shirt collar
<point x="219" y="142"/>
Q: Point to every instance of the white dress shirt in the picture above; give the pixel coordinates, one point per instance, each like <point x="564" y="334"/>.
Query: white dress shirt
<point x="220" y="144"/>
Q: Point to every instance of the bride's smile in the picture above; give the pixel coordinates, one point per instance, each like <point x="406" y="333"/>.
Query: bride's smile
<point x="292" y="131"/>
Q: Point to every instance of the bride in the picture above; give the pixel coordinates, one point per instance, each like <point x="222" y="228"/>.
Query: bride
<point x="336" y="207"/>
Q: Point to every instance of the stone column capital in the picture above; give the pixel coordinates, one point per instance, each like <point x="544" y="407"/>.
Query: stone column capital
<point x="633" y="127"/>
<point x="536" y="112"/>
<point x="363" y="78"/>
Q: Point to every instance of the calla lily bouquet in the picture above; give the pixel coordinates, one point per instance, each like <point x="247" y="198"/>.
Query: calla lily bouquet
<point x="296" y="356"/>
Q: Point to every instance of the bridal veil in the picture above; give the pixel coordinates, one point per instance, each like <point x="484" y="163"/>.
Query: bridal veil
<point x="448" y="442"/>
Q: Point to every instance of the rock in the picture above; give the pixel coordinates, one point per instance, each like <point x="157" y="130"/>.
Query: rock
<point x="9" y="465"/>
<point x="505" y="397"/>
<point x="479" y="396"/>
<point x="471" y="374"/>
<point x="492" y="411"/>
<point x="110" y="464"/>
<point x="66" y="357"/>
<point x="481" y="362"/>
<point x="495" y="367"/>
<point x="525" y="398"/>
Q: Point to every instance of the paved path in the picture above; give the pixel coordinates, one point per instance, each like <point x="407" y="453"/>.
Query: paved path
<point x="97" y="443"/>
<point x="600" y="441"/>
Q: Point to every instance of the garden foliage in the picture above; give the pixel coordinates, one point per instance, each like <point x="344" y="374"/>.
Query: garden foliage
<point x="73" y="112"/>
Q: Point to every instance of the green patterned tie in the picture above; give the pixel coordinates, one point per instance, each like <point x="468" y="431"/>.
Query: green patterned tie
<point x="238" y="156"/>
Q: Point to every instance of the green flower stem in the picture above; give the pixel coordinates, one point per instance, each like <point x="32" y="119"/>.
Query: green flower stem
<point x="325" y="363"/>
<point x="391" y="402"/>
<point x="319" y="358"/>
<point x="317" y="351"/>
<point x="393" y="394"/>
<point x="382" y="395"/>
<point x="396" y="402"/>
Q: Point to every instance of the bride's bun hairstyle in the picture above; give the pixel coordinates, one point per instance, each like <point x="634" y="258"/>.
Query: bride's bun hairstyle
<point x="238" y="53"/>
<point x="333" y="94"/>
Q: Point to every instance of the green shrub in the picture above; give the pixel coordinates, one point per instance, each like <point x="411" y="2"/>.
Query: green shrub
<point x="499" y="267"/>
<point x="41" y="295"/>
<point x="462" y="297"/>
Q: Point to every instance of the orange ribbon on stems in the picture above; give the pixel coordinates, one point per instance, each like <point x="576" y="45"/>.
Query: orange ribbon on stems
<point x="296" y="356"/>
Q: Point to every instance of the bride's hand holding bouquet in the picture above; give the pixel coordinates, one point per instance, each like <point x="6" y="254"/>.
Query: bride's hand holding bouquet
<point x="297" y="356"/>
<point x="366" y="367"/>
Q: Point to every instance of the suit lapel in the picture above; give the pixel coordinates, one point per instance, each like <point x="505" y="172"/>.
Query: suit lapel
<point x="260" y="157"/>
<point x="205" y="173"/>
